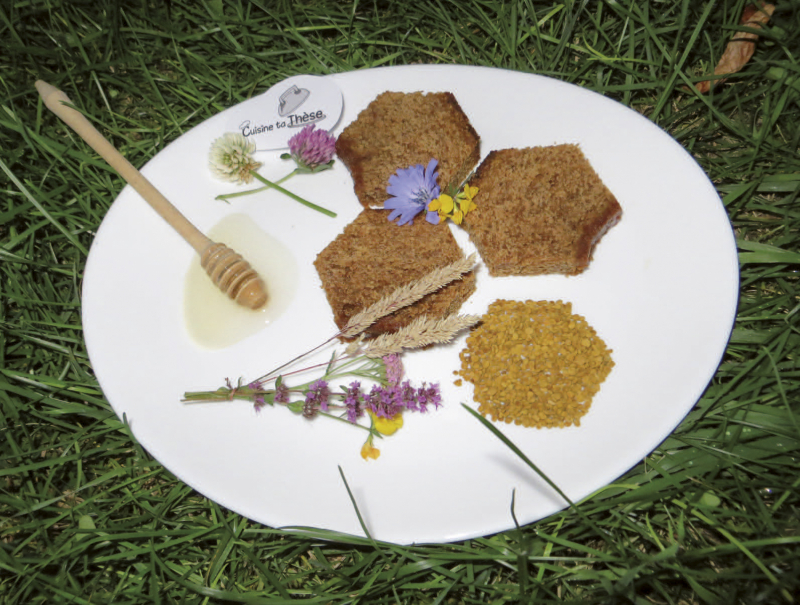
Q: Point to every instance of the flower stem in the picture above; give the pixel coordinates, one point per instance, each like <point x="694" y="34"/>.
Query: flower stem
<point x="227" y="196"/>
<point x="272" y="374"/>
<point x="297" y="198"/>
<point x="339" y="418"/>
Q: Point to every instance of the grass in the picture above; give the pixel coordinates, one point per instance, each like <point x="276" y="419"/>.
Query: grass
<point x="87" y="516"/>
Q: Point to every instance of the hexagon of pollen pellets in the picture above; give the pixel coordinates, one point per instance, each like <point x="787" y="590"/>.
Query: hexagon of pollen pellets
<point x="535" y="363"/>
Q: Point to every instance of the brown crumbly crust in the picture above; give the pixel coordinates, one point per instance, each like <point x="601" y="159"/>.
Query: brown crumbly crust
<point x="398" y="130"/>
<point x="539" y="210"/>
<point x="373" y="256"/>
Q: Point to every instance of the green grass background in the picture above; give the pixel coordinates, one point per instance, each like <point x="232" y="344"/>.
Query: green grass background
<point x="87" y="516"/>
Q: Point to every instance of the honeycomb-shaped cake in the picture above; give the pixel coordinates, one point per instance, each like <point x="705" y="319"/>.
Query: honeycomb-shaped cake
<point x="539" y="210"/>
<point x="372" y="257"/>
<point x="398" y="130"/>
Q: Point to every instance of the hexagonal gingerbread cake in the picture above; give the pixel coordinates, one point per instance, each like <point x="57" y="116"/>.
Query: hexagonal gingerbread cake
<point x="539" y="210"/>
<point x="398" y="130"/>
<point x="372" y="257"/>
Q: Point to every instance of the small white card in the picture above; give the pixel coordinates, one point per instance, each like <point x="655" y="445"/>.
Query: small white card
<point x="273" y="117"/>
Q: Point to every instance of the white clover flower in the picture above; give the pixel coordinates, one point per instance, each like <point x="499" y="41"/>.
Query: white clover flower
<point x="231" y="158"/>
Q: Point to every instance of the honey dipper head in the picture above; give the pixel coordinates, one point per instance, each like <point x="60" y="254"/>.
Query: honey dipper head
<point x="234" y="276"/>
<point x="252" y="294"/>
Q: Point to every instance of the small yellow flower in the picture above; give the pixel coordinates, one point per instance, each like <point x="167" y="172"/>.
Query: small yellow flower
<point x="386" y="426"/>
<point x="465" y="199"/>
<point x="444" y="205"/>
<point x="454" y="209"/>
<point x="369" y="451"/>
<point x="468" y="192"/>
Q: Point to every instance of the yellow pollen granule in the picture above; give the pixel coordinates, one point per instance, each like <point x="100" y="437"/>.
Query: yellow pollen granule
<point x="534" y="363"/>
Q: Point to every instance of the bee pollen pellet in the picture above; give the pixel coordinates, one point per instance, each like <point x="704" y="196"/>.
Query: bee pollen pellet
<point x="534" y="363"/>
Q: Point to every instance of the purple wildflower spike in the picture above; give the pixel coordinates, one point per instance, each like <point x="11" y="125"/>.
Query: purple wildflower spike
<point x="282" y="394"/>
<point x="318" y="395"/>
<point x="258" y="398"/>
<point x="394" y="369"/>
<point x="428" y="395"/>
<point x="353" y="401"/>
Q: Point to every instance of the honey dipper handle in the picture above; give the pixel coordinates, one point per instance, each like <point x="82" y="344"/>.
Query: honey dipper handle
<point x="55" y="101"/>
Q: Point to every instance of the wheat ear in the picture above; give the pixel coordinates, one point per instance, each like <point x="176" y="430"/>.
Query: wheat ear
<point x="406" y="295"/>
<point x="419" y="333"/>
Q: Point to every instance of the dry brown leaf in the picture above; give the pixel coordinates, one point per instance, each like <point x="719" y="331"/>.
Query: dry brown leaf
<point x="742" y="45"/>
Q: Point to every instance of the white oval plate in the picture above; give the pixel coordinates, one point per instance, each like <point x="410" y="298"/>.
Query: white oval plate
<point x="661" y="291"/>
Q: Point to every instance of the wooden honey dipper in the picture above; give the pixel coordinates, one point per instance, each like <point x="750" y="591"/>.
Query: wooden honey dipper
<point x="227" y="269"/>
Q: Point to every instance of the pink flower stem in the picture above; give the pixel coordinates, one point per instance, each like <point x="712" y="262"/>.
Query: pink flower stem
<point x="296" y="198"/>
<point x="291" y="361"/>
<point x="227" y="196"/>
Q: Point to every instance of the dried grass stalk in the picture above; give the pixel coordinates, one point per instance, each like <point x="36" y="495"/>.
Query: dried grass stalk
<point x="421" y="332"/>
<point x="407" y="295"/>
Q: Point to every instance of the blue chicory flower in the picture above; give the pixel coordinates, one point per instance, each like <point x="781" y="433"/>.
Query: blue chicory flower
<point x="412" y="189"/>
